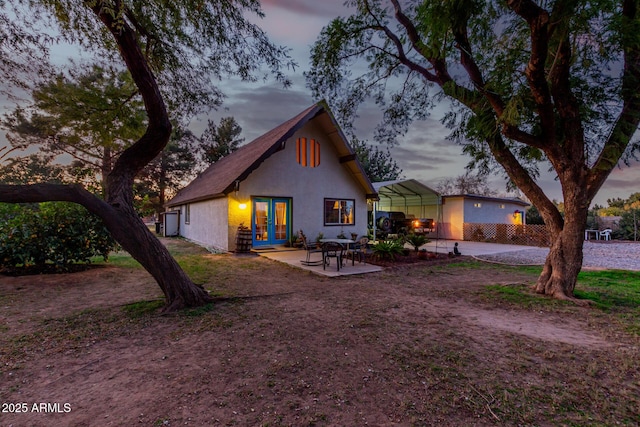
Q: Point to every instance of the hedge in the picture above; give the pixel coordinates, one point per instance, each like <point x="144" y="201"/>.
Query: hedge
<point x="53" y="233"/>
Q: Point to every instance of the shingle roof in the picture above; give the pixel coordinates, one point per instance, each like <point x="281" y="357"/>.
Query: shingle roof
<point x="220" y="178"/>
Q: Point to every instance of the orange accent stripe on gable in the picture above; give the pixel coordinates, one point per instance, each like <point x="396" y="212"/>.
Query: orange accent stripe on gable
<point x="303" y="160"/>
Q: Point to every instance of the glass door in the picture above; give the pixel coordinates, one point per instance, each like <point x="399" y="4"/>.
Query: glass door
<point x="260" y="221"/>
<point x="271" y="218"/>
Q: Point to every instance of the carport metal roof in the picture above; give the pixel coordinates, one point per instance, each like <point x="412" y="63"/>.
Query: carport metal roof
<point x="407" y="192"/>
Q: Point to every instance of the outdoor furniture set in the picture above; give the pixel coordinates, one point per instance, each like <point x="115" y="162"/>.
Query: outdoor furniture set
<point x="598" y="234"/>
<point x="340" y="249"/>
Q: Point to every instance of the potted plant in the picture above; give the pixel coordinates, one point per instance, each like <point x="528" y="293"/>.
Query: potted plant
<point x="319" y="237"/>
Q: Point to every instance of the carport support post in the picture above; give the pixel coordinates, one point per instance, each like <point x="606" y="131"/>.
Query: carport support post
<point x="373" y="219"/>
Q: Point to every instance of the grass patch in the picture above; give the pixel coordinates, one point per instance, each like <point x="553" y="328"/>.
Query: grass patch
<point x="519" y="294"/>
<point x="615" y="292"/>
<point x="118" y="259"/>
<point x="610" y="289"/>
<point x="143" y="308"/>
<point x="199" y="311"/>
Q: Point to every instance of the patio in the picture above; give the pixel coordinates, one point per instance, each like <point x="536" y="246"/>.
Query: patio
<point x="294" y="256"/>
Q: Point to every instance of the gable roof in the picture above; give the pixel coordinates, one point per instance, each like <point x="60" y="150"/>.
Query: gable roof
<point x="220" y="178"/>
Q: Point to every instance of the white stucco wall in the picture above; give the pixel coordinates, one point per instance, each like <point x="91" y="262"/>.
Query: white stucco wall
<point x="208" y="223"/>
<point x="281" y="176"/>
<point x="460" y="210"/>
<point x="451" y="226"/>
<point x="490" y="212"/>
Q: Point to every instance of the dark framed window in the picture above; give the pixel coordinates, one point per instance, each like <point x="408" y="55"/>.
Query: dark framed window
<point x="187" y="214"/>
<point x="339" y="211"/>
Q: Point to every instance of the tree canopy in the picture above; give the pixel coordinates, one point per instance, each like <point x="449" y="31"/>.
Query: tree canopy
<point x="220" y="140"/>
<point x="91" y="113"/>
<point x="176" y="53"/>
<point x="468" y="183"/>
<point x="552" y="84"/>
<point x="377" y="163"/>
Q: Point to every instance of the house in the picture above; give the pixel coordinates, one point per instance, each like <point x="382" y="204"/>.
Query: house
<point x="302" y="174"/>
<point x="458" y="210"/>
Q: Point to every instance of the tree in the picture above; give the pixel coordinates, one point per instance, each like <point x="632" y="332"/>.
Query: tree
<point x="554" y="81"/>
<point x="31" y="169"/>
<point x="533" y="216"/>
<point x="167" y="173"/>
<point x="466" y="184"/>
<point x="91" y="114"/>
<point x="377" y="164"/>
<point x="629" y="212"/>
<point x="23" y="53"/>
<point x="219" y="141"/>
<point x="172" y="50"/>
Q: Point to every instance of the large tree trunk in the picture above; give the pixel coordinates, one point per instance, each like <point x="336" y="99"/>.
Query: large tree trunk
<point x="128" y="229"/>
<point x="560" y="273"/>
<point x="144" y="247"/>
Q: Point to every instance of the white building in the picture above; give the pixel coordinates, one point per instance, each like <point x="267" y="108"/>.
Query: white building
<point x="302" y="175"/>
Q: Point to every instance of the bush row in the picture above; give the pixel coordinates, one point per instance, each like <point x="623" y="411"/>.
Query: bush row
<point x="52" y="233"/>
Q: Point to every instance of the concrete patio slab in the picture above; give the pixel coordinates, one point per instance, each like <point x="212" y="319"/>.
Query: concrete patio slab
<point x="294" y="257"/>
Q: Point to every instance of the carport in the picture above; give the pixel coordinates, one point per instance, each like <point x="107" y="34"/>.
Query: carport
<point x="411" y="197"/>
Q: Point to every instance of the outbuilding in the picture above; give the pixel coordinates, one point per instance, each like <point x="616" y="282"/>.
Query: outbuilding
<point x="452" y="214"/>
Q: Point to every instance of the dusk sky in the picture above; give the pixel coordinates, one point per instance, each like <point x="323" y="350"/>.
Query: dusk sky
<point x="423" y="154"/>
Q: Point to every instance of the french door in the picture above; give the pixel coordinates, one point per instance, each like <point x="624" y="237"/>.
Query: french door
<point x="271" y="221"/>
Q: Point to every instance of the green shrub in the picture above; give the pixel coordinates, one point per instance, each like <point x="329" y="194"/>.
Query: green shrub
<point x="388" y="249"/>
<point x="51" y="233"/>
<point x="417" y="240"/>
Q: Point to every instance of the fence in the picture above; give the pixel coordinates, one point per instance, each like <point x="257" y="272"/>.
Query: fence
<point x="529" y="235"/>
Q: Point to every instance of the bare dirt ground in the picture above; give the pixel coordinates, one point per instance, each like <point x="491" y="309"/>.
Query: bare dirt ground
<point x="416" y="345"/>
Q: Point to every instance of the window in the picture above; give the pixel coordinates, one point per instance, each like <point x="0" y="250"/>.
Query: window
<point x="501" y="206"/>
<point x="308" y="152"/>
<point x="339" y="212"/>
<point x="477" y="205"/>
<point x="187" y="214"/>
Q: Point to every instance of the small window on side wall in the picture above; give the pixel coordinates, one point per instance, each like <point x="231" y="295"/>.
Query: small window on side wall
<point x="187" y="214"/>
<point x="339" y="211"/>
<point x="477" y="205"/>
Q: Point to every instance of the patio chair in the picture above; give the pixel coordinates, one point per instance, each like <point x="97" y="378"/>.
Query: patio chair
<point x="310" y="250"/>
<point x="605" y="234"/>
<point x="332" y="250"/>
<point x="359" y="250"/>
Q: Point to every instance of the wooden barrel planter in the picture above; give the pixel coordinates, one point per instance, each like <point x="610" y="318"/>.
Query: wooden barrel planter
<point x="243" y="240"/>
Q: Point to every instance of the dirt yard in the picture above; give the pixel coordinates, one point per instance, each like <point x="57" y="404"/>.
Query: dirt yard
<point x="418" y="345"/>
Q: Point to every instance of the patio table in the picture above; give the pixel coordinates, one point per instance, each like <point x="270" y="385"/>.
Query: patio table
<point x="587" y="233"/>
<point x="344" y="242"/>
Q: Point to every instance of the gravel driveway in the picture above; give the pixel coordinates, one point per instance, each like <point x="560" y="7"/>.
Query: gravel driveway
<point x="607" y="255"/>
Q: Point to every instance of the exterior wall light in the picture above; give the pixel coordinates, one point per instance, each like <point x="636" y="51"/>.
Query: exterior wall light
<point x="242" y="206"/>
